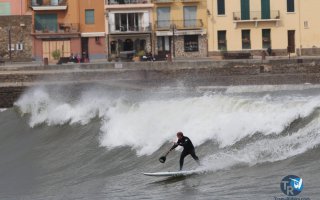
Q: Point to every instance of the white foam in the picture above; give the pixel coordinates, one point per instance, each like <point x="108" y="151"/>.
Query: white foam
<point x="2" y="109"/>
<point x="267" y="150"/>
<point x="44" y="107"/>
<point x="147" y="125"/>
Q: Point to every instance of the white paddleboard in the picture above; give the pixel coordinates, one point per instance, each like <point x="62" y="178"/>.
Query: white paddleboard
<point x="173" y="174"/>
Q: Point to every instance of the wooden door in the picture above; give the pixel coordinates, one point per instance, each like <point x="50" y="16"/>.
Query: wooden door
<point x="50" y="46"/>
<point x="291" y="41"/>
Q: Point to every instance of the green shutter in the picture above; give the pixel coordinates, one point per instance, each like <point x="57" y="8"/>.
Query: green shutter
<point x="245" y="9"/>
<point x="290" y="5"/>
<point x="265" y="8"/>
<point x="221" y="7"/>
<point x="5" y="8"/>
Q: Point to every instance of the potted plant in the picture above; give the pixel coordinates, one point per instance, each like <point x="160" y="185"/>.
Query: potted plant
<point x="223" y="52"/>
<point x="56" y="54"/>
<point x="139" y="55"/>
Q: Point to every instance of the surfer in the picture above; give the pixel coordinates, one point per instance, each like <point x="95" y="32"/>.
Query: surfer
<point x="188" y="148"/>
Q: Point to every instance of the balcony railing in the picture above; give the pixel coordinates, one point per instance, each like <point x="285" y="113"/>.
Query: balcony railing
<point x="190" y="1"/>
<point x="61" y="28"/>
<point x="48" y="4"/>
<point x="116" y="2"/>
<point x="179" y="24"/>
<point x="257" y="16"/>
<point x="129" y="29"/>
<point x="164" y="1"/>
<point x="172" y="1"/>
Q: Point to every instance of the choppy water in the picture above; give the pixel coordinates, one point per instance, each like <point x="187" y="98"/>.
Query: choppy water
<point x="55" y="145"/>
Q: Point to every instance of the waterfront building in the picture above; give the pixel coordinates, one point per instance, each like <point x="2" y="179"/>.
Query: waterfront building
<point x="180" y="28"/>
<point x="128" y="27"/>
<point x="15" y="28"/>
<point x="257" y="25"/>
<point x="69" y="26"/>
<point x="13" y="7"/>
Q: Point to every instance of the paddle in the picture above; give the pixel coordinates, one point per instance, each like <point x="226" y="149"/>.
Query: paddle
<point x="162" y="159"/>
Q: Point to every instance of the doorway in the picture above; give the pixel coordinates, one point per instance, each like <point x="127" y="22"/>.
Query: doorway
<point x="164" y="45"/>
<point x="85" y="48"/>
<point x="291" y="41"/>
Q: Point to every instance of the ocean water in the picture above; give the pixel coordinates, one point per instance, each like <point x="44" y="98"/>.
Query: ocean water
<point x="96" y="144"/>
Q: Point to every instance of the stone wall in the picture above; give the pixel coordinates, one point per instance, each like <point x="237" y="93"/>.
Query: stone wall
<point x="275" y="52"/>
<point x="179" y="47"/>
<point x="310" y="51"/>
<point x="8" y="95"/>
<point x="21" y="27"/>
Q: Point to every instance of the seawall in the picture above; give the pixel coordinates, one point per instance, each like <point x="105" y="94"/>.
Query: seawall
<point x="15" y="80"/>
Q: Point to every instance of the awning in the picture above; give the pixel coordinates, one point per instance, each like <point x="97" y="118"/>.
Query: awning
<point x="93" y="34"/>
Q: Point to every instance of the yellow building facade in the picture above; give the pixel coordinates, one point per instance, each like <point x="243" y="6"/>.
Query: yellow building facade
<point x="279" y="26"/>
<point x="180" y="28"/>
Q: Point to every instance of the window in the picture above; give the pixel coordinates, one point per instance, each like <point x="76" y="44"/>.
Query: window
<point x="221" y="7"/>
<point x="46" y="22"/>
<point x="190" y="16"/>
<point x="128" y="21"/>
<point x="222" y="41"/>
<point x="290" y="5"/>
<point x="5" y="8"/>
<point x="266" y="38"/>
<point x="163" y="17"/>
<point x="19" y="46"/>
<point x="191" y="43"/>
<point x="89" y="16"/>
<point x="246" y="42"/>
<point x="11" y="47"/>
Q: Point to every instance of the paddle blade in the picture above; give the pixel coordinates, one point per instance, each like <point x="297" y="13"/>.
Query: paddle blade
<point x="162" y="159"/>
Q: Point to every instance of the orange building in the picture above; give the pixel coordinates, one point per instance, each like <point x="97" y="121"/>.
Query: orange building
<point x="14" y="7"/>
<point x="70" y="26"/>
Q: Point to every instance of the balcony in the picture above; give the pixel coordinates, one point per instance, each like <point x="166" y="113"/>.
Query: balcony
<point x="164" y="1"/>
<point x="256" y="17"/>
<point x="60" y="30"/>
<point x="128" y="4"/>
<point x="112" y="2"/>
<point x="126" y="29"/>
<point x="179" y="24"/>
<point x="46" y="5"/>
<point x="190" y="1"/>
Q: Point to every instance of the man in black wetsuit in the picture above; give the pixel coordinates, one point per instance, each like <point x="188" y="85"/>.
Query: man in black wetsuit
<point x="188" y="148"/>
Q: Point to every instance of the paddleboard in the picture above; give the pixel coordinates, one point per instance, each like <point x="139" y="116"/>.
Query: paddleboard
<point x="173" y="174"/>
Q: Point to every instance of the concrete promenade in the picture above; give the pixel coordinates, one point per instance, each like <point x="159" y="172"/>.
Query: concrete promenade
<point x="15" y="78"/>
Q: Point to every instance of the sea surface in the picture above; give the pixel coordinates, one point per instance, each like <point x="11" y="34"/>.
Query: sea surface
<point x="96" y="144"/>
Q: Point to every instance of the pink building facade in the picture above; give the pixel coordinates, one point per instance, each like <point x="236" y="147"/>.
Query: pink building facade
<point x="14" y="7"/>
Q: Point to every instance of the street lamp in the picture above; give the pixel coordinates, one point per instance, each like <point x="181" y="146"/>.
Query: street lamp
<point x="173" y="28"/>
<point x="9" y="36"/>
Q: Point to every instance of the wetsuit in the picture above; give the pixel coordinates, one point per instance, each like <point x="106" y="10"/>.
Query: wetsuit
<point x="188" y="148"/>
